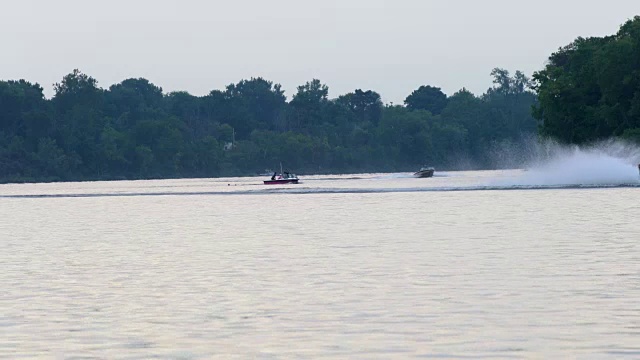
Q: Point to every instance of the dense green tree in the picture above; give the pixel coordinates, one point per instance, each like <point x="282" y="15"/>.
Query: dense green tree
<point x="308" y="106"/>
<point x="365" y="105"/>
<point x="590" y="89"/>
<point x="76" y="89"/>
<point x="408" y="132"/>
<point x="78" y="120"/>
<point x="427" y="98"/>
<point x="255" y="104"/>
<point x="133" y="100"/>
<point x="313" y="93"/>
<point x="24" y="111"/>
<point x="508" y="106"/>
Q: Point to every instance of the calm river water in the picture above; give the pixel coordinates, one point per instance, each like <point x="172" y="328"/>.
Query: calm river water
<point x="371" y="266"/>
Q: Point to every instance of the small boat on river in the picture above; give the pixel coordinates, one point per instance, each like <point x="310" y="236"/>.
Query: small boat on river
<point x="424" y="172"/>
<point x="283" y="178"/>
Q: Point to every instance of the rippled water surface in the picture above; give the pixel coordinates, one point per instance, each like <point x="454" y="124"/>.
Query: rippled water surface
<point x="462" y="265"/>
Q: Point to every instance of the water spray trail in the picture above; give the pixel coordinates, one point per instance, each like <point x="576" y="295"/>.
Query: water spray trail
<point x="607" y="163"/>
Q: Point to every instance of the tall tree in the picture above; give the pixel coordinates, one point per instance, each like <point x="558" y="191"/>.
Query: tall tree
<point x="508" y="106"/>
<point x="76" y="88"/>
<point x="134" y="99"/>
<point x="24" y="110"/>
<point x="366" y="105"/>
<point x="255" y="103"/>
<point x="78" y="119"/>
<point x="308" y="105"/>
<point x="427" y="98"/>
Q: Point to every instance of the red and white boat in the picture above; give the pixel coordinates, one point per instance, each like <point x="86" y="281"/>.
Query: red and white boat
<point x="283" y="178"/>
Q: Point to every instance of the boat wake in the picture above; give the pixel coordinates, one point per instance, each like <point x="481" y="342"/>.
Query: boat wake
<point x="309" y="190"/>
<point x="443" y="189"/>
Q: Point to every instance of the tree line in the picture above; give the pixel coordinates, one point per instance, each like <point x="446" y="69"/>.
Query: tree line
<point x="134" y="130"/>
<point x="588" y="91"/>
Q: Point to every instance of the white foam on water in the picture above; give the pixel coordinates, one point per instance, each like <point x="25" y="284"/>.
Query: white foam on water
<point x="606" y="163"/>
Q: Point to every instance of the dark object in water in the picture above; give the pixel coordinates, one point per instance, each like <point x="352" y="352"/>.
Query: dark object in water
<point x="424" y="172"/>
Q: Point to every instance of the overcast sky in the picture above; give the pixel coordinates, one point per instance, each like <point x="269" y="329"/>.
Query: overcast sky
<point x="390" y="46"/>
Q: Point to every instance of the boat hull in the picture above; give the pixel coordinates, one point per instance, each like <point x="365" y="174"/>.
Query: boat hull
<point x="424" y="173"/>
<point x="280" y="181"/>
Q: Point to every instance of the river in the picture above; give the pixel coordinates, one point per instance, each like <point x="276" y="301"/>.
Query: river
<point x="485" y="264"/>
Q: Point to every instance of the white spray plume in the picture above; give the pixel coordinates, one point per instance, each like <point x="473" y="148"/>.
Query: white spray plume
<point x="611" y="162"/>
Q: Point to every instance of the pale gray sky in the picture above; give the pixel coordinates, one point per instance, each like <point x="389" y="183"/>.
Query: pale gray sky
<point x="390" y="46"/>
